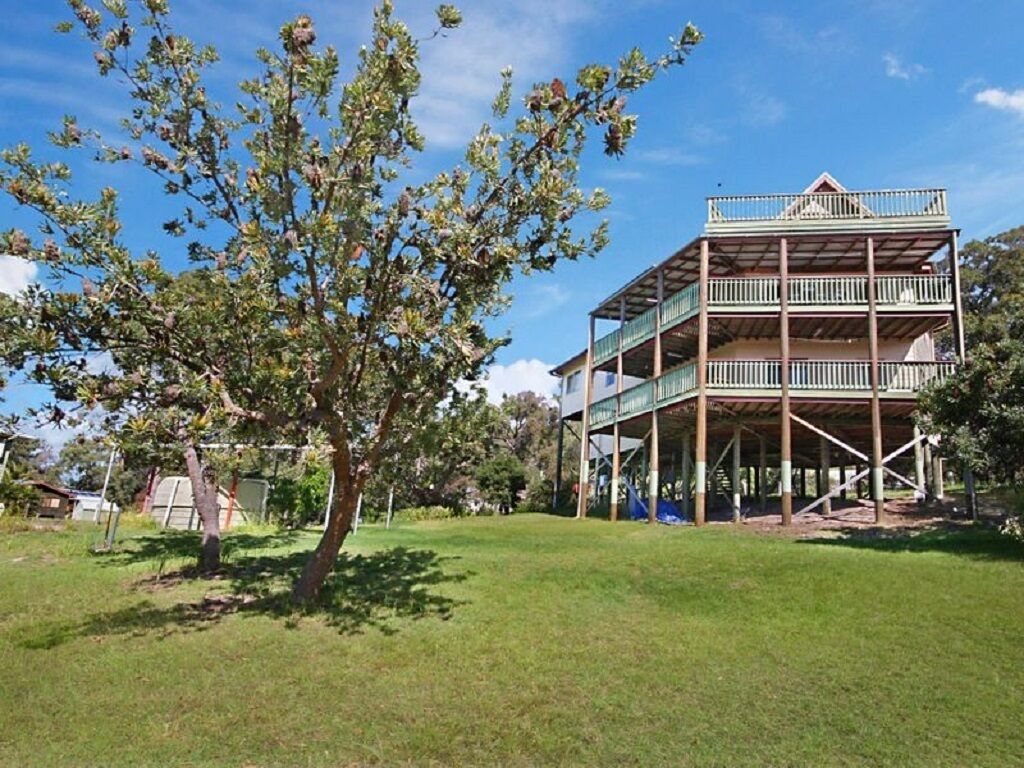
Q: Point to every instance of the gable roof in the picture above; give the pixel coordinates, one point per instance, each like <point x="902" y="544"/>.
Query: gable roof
<point x="823" y="198"/>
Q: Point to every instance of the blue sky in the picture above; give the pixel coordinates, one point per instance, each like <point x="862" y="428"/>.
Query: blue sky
<point x="880" y="94"/>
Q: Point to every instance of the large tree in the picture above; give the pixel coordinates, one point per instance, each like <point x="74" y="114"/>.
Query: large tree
<point x="360" y="298"/>
<point x="979" y="410"/>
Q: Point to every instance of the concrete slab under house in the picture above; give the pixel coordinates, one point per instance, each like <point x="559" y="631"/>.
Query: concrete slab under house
<point x="776" y="357"/>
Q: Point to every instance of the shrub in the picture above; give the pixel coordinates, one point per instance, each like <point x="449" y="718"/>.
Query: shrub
<point x="1014" y="525"/>
<point x="415" y="514"/>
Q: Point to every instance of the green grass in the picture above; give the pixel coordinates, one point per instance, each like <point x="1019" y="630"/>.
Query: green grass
<point x="525" y="640"/>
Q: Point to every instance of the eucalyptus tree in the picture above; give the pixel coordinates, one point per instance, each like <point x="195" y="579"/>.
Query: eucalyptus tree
<point x="362" y="290"/>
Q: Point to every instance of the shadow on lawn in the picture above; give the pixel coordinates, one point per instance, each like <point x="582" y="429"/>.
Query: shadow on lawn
<point x="364" y="591"/>
<point x="981" y="542"/>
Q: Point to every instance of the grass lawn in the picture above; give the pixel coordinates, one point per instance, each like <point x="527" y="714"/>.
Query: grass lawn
<point x="525" y="640"/>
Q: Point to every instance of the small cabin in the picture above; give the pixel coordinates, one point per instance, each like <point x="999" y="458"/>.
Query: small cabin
<point x="54" y="502"/>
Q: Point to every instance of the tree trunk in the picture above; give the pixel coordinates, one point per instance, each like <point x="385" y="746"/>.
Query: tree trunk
<point x="319" y="565"/>
<point x="204" y="492"/>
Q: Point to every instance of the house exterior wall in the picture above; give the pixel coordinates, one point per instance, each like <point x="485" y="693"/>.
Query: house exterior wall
<point x="921" y="350"/>
<point x="604" y="386"/>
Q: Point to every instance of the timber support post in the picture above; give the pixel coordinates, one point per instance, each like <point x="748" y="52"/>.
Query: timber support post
<point x="684" y="501"/>
<point x="613" y="507"/>
<point x="961" y="355"/>
<point x="588" y="393"/>
<point x="557" y="491"/>
<point x="785" y="450"/>
<point x="877" y="486"/>
<point x="919" y="477"/>
<point x="737" y="489"/>
<point x="762" y="473"/>
<point x="700" y="464"/>
<point x="825" y="474"/>
<point x="654" y="489"/>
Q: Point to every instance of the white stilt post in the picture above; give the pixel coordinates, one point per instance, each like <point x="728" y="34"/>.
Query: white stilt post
<point x="359" y="510"/>
<point x="391" y="503"/>
<point x="685" y="472"/>
<point x="170" y="502"/>
<point x="330" y="501"/>
<point x="106" y="484"/>
<point x="919" y="461"/>
<point x="825" y="474"/>
<point x="737" y="490"/>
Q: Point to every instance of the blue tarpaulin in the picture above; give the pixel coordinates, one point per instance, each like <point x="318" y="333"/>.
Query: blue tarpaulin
<point x="667" y="512"/>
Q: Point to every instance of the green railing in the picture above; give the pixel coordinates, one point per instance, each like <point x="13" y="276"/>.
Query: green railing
<point x="680" y="306"/>
<point x="639" y="329"/>
<point x="638" y="399"/>
<point x="674" y="384"/>
<point x="606" y="347"/>
<point x="834" y="376"/>
<point x="761" y="292"/>
<point x="603" y="412"/>
<point x="911" y="376"/>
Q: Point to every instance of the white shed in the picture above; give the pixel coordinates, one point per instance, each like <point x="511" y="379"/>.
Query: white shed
<point x="86" y="506"/>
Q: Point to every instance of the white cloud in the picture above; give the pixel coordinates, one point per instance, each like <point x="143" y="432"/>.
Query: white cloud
<point x="461" y="73"/>
<point x="669" y="156"/>
<point x="521" y="376"/>
<point x="544" y="298"/>
<point x="16" y="274"/>
<point x="894" y="67"/>
<point x="1011" y="101"/>
<point x="622" y="174"/>
<point x="763" y="110"/>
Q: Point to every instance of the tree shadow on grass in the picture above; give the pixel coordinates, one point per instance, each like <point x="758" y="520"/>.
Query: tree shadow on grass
<point x="980" y="542"/>
<point x="371" y="591"/>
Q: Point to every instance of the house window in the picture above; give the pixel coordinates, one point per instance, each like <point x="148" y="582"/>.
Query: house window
<point x="609" y="378"/>
<point x="572" y="384"/>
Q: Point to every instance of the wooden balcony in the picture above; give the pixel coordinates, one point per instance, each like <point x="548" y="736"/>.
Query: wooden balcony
<point x="806" y="294"/>
<point x="762" y="378"/>
<point x="878" y="210"/>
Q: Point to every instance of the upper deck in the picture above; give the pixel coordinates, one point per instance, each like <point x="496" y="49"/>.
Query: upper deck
<point x="828" y="210"/>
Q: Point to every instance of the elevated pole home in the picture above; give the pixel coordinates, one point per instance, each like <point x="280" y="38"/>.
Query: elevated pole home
<point x="792" y="335"/>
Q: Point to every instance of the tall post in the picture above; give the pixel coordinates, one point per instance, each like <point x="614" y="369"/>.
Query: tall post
<point x="938" y="491"/>
<point x="330" y="502"/>
<point x="919" y="463"/>
<point x="232" y="498"/>
<point x="655" y="478"/>
<point x="958" y="309"/>
<point x="588" y="387"/>
<point x="391" y="506"/>
<point x="762" y="473"/>
<point x="842" y="479"/>
<point x="170" y="502"/>
<point x="684" y="502"/>
<point x="785" y="445"/>
<point x="972" y="506"/>
<point x="356" y="517"/>
<point x="961" y="356"/>
<point x="737" y="495"/>
<point x="877" y="488"/>
<point x="557" y="491"/>
<point x="825" y="486"/>
<point x="8" y="444"/>
<point x="106" y="484"/>
<point x="613" y="510"/>
<point x="701" y="461"/>
<point x="147" y="500"/>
